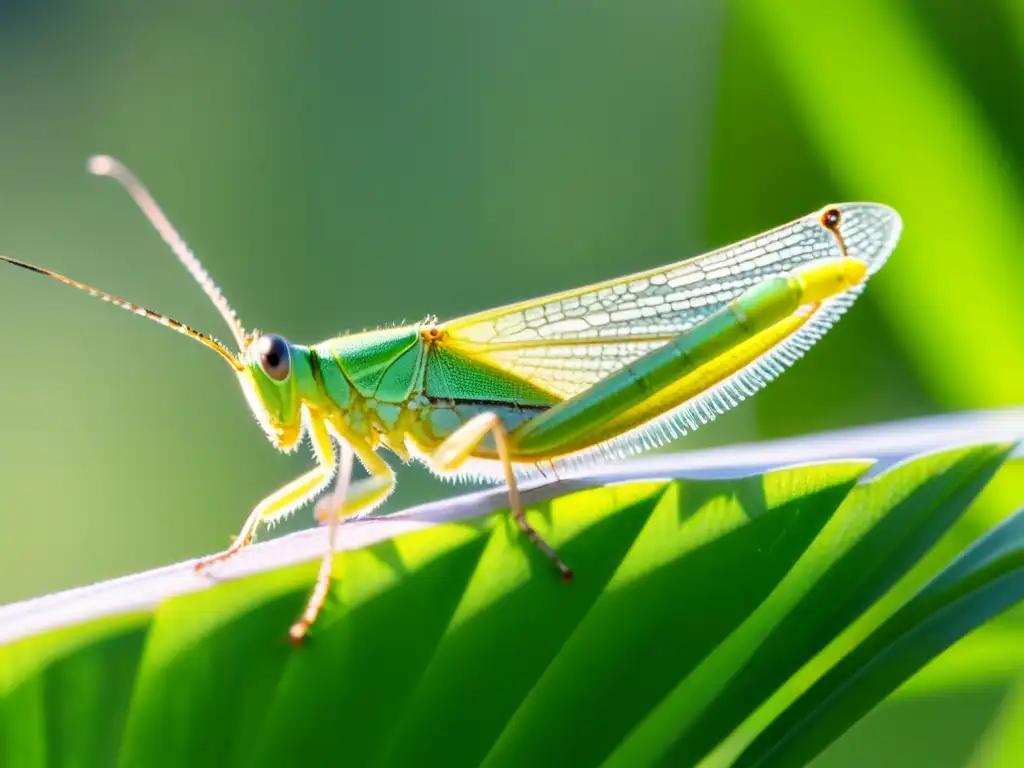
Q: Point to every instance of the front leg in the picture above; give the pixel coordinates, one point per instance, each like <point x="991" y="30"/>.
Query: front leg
<point x="346" y="499"/>
<point x="285" y="499"/>
<point x="459" y="446"/>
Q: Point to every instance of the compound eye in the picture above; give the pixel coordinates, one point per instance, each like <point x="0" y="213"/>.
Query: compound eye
<point x="275" y="358"/>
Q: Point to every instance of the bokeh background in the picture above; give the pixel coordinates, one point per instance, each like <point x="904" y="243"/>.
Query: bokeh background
<point x="340" y="166"/>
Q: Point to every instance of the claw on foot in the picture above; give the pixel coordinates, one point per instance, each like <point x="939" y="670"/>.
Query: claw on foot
<point x="297" y="633"/>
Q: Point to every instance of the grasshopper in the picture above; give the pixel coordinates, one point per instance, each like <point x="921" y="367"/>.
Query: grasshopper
<point x="550" y="384"/>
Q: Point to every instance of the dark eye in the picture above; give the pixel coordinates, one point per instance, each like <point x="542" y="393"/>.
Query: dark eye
<point x="275" y="359"/>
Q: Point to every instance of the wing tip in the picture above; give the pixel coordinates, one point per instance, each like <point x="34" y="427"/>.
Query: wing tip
<point x="871" y="231"/>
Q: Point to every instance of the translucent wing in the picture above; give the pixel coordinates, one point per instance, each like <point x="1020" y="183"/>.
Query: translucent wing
<point x="567" y="341"/>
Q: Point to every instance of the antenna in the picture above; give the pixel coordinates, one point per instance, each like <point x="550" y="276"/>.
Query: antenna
<point x="168" y="322"/>
<point x="104" y="165"/>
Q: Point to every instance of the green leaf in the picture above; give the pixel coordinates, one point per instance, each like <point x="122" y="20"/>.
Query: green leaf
<point x="64" y="695"/>
<point x="457" y="645"/>
<point x="986" y="580"/>
<point x="873" y="539"/>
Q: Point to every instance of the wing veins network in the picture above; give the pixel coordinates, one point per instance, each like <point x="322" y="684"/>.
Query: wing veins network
<point x="536" y="341"/>
<point x="568" y="341"/>
<point x="571" y="339"/>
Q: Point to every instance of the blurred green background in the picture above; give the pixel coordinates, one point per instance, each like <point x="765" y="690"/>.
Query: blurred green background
<point x="346" y="165"/>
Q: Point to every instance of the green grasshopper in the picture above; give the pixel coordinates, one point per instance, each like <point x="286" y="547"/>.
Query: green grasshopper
<point x="546" y="385"/>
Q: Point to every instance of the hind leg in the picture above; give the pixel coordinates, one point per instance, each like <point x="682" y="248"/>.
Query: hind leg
<point x="459" y="446"/>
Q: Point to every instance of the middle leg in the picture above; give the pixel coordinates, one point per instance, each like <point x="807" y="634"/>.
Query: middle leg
<point x="346" y="499"/>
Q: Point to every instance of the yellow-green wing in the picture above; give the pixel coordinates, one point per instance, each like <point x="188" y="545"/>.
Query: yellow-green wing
<point x="565" y="342"/>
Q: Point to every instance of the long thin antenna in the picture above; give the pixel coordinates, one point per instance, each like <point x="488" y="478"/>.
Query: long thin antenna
<point x="168" y="322"/>
<point x="104" y="165"/>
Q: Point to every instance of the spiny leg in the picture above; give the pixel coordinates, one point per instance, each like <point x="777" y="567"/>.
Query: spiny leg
<point x="458" y="447"/>
<point x="345" y="499"/>
<point x="287" y="498"/>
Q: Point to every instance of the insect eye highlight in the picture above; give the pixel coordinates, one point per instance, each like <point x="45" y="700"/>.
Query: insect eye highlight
<point x="274" y="357"/>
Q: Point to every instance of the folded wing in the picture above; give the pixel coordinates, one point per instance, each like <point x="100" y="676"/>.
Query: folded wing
<point x="565" y="342"/>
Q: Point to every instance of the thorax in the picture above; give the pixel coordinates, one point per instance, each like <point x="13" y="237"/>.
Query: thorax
<point x="403" y="388"/>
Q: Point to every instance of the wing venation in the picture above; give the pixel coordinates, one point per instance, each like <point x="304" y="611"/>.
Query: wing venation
<point x="565" y="342"/>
